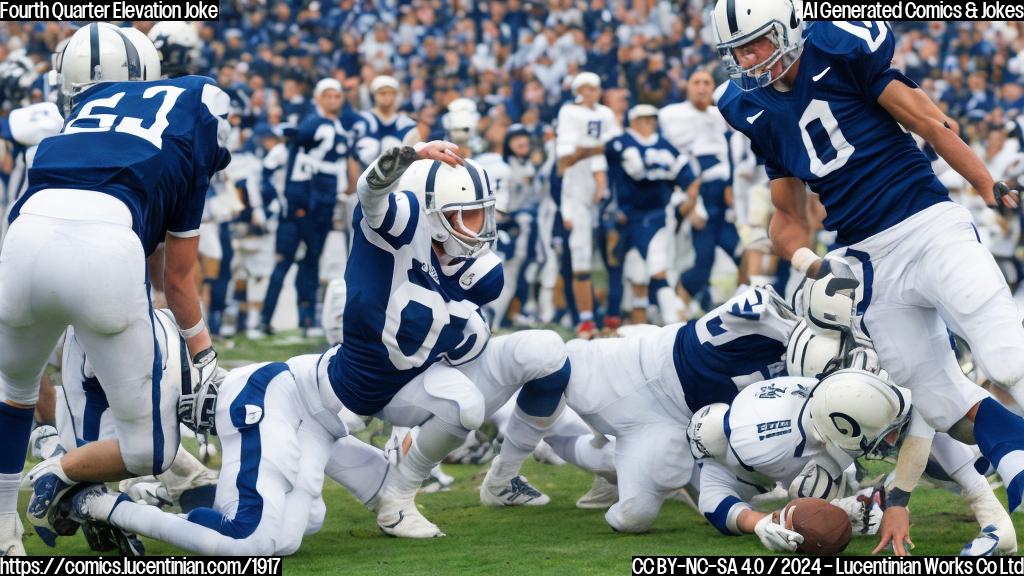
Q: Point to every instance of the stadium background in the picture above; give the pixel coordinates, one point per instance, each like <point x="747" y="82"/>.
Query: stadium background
<point x="517" y="60"/>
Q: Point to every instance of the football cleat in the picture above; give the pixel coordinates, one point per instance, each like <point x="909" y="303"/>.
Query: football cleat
<point x="151" y="492"/>
<point x="545" y="454"/>
<point x="91" y="506"/>
<point x="400" y="518"/>
<point x="11" y="532"/>
<point x="514" y="492"/>
<point x="49" y="512"/>
<point x="986" y="544"/>
<point x="602" y="494"/>
<point x="586" y="330"/>
<point x="438" y="481"/>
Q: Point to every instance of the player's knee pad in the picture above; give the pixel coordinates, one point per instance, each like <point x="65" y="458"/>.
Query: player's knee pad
<point x="461" y="405"/>
<point x="542" y="397"/>
<point x="151" y="451"/>
<point x="630" y="515"/>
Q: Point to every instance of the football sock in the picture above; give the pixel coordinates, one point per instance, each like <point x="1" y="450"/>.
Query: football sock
<point x="1000" y="435"/>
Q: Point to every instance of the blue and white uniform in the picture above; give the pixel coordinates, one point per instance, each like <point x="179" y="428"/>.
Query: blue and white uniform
<point x="275" y="452"/>
<point x="644" y="389"/>
<point x="132" y="164"/>
<point x="317" y="175"/>
<point x="375" y="135"/>
<point x="767" y="444"/>
<point x="918" y="256"/>
<point x="643" y="173"/>
<point x="406" y="310"/>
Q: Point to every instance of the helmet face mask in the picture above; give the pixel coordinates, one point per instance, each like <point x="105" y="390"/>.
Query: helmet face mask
<point x="775" y="22"/>
<point x="460" y="240"/>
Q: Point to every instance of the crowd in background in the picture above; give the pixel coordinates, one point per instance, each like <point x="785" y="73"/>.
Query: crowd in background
<point x="517" y="60"/>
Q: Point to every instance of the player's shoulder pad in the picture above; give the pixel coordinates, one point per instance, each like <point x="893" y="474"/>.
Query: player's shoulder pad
<point x="852" y="40"/>
<point x="483" y="279"/>
<point x="749" y="304"/>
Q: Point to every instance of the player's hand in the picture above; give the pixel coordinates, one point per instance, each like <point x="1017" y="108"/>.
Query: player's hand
<point x="567" y="223"/>
<point x="439" y="150"/>
<point x="895" y="530"/>
<point x="1005" y="196"/>
<point x="774" y="534"/>
<point x="865" y="512"/>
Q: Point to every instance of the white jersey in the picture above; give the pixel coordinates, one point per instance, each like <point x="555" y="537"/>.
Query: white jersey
<point x="700" y="135"/>
<point x="767" y="444"/>
<point x="583" y="127"/>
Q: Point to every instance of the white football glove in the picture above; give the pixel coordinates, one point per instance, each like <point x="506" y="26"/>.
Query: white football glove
<point x="865" y="512"/>
<point x="206" y="368"/>
<point x="775" y="536"/>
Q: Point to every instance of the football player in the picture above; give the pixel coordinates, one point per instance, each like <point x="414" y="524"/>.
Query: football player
<point x="821" y="104"/>
<point x="277" y="441"/>
<point x="643" y="390"/>
<point x="318" y="163"/>
<point x="584" y="126"/>
<point x="645" y="170"/>
<point x="419" y="271"/>
<point x="101" y="196"/>
<point x="696" y="129"/>
<point x="384" y="127"/>
<point x="796" y="431"/>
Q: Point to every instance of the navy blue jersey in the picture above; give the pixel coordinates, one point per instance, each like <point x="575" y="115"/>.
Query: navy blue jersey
<point x="317" y="163"/>
<point x="741" y="342"/>
<point x="379" y="135"/>
<point x="830" y="131"/>
<point x="646" y="171"/>
<point x="153" y="145"/>
<point x="404" y="310"/>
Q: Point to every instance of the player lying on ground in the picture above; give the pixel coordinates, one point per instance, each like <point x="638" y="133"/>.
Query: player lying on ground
<point x="275" y="452"/>
<point x="822" y="105"/>
<point x="643" y="390"/>
<point x="780" y="431"/>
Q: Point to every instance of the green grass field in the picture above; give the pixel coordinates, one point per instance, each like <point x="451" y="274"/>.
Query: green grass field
<point x="553" y="539"/>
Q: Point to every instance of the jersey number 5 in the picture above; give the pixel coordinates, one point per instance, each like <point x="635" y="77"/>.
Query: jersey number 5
<point x="128" y="124"/>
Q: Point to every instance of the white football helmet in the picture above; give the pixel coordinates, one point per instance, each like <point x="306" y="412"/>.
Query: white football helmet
<point x="98" y="52"/>
<point x="461" y="121"/>
<point x="852" y="411"/>
<point x="443" y="189"/>
<point x="828" y="302"/>
<point x="740" y="22"/>
<point x="148" y="52"/>
<point x="178" y="43"/>
<point x="706" y="432"/>
<point x="813" y="353"/>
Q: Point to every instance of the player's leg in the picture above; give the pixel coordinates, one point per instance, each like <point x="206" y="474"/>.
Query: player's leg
<point x="651" y="462"/>
<point x="221" y="282"/>
<point x="446" y="406"/>
<point x="535" y="363"/>
<point x="304" y="509"/>
<point x="359" y="467"/>
<point x="333" y="314"/>
<point x="695" y="280"/>
<point x="957" y="460"/>
<point x="581" y="251"/>
<point x="286" y="244"/>
<point x="307" y="278"/>
<point x="659" y="292"/>
<point x="973" y="299"/>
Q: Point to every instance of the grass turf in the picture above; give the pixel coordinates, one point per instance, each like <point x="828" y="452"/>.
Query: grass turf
<point x="553" y="539"/>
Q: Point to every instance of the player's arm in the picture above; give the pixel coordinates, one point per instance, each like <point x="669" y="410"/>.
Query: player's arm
<point x="790" y="229"/>
<point x="722" y="504"/>
<point x="910" y="465"/>
<point x="180" y="254"/>
<point x="382" y="176"/>
<point x="912" y="108"/>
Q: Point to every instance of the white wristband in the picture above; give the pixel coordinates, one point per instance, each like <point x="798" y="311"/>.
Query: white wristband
<point x="193" y="331"/>
<point x="803" y="258"/>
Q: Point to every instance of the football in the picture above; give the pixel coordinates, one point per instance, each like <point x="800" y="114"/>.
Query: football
<point x="826" y="528"/>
